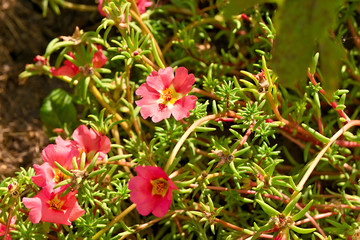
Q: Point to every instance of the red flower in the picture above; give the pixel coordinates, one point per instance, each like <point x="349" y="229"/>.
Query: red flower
<point x="70" y="70"/>
<point x="48" y="206"/>
<point x="151" y="191"/>
<point x="163" y="94"/>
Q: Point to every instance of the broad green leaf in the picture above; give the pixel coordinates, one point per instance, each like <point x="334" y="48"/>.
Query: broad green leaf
<point x="299" y="24"/>
<point x="58" y="110"/>
<point x="235" y="7"/>
<point x="331" y="56"/>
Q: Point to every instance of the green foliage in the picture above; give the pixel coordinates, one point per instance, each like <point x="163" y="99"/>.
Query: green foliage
<point x="58" y="111"/>
<point x="294" y="44"/>
<point x="244" y="159"/>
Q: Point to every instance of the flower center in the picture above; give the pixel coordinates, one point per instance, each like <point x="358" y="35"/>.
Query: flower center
<point x="160" y="187"/>
<point x="169" y="96"/>
<point x="56" y="203"/>
<point x="59" y="176"/>
<point x="166" y="95"/>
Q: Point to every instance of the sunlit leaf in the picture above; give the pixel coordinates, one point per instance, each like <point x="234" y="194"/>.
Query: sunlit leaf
<point x="299" y="24"/>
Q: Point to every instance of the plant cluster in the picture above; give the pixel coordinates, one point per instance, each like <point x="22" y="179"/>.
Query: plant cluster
<point x="197" y="119"/>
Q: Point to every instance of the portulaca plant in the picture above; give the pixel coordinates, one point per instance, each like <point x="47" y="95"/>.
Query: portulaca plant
<point x="198" y="120"/>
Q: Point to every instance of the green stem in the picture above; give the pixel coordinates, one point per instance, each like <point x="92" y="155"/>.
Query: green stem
<point x="78" y="7"/>
<point x="115" y="220"/>
<point x="186" y="135"/>
<point x="322" y="152"/>
<point x="147" y="31"/>
<point x="189" y="26"/>
<point x="315" y="162"/>
<point x="102" y="102"/>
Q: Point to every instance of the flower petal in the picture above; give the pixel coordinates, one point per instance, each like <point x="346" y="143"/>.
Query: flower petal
<point x="162" y="207"/>
<point x="34" y="204"/>
<point x="154" y="111"/>
<point x="85" y="137"/>
<point x="65" y="70"/>
<point x="182" y="106"/>
<point x="149" y="95"/>
<point x="44" y="174"/>
<point x="160" y="80"/>
<point x="55" y="216"/>
<point x="99" y="59"/>
<point x="161" y="114"/>
<point x="62" y="154"/>
<point x="76" y="212"/>
<point x="148" y="110"/>
<point x="151" y="172"/>
<point x="141" y="185"/>
<point x="147" y="207"/>
<point x="167" y="76"/>
<point x="182" y="81"/>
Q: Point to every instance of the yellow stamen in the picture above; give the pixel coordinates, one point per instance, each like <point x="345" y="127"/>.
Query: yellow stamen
<point x="56" y="203"/>
<point x="160" y="187"/>
<point x="59" y="176"/>
<point x="166" y="95"/>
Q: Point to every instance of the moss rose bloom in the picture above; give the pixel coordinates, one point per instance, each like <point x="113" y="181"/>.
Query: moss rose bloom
<point x="151" y="191"/>
<point x="48" y="173"/>
<point x="49" y="206"/>
<point x="163" y="94"/>
<point x="88" y="141"/>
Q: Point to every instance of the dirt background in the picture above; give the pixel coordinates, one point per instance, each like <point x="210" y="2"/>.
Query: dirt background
<point x="24" y="33"/>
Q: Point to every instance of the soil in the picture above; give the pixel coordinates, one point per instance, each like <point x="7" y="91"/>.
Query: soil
<point x="25" y="33"/>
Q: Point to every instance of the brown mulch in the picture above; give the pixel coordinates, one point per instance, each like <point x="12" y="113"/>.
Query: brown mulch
<point x="24" y="33"/>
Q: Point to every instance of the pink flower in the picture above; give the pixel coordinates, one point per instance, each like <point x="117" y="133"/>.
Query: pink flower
<point x="48" y="206"/>
<point x="141" y="5"/>
<point x="88" y="141"/>
<point x="91" y="142"/>
<point x="70" y="70"/>
<point x="151" y="191"/>
<point x="48" y="173"/>
<point x="163" y="94"/>
<point x="85" y="140"/>
<point x="3" y="228"/>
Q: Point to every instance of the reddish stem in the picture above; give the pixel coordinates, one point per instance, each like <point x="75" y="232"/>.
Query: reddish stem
<point x="332" y="103"/>
<point x="318" y="216"/>
<point x="232" y="226"/>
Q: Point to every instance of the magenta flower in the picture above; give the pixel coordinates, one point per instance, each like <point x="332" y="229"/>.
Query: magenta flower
<point x="151" y="191"/>
<point x="163" y="94"/>
<point x="70" y="70"/>
<point x="48" y="206"/>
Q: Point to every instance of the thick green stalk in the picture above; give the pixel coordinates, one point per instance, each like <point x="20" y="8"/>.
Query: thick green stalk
<point x="186" y="135"/>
